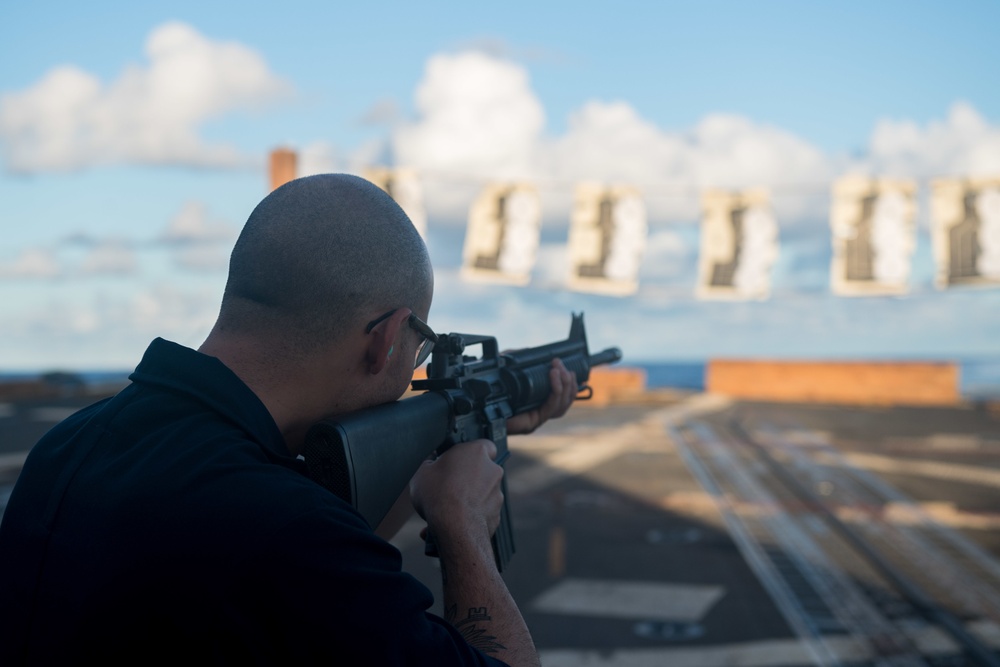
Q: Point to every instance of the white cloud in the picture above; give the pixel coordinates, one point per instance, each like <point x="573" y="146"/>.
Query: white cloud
<point x="103" y="327"/>
<point x="168" y="311"/>
<point x="151" y="114"/>
<point x="964" y="144"/>
<point x="109" y="258"/>
<point x="383" y="112"/>
<point x="477" y="112"/>
<point x="192" y="224"/>
<point x="373" y="151"/>
<point x="319" y="157"/>
<point x="200" y="242"/>
<point x="611" y="142"/>
<point x="480" y="120"/>
<point x="202" y="258"/>
<point x="32" y="263"/>
<point x="728" y="150"/>
<point x="551" y="265"/>
<point x="162" y="309"/>
<point x="667" y="255"/>
<point x="515" y="317"/>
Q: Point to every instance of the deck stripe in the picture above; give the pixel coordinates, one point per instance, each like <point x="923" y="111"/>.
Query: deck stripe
<point x="923" y="468"/>
<point x="767" y="653"/>
<point x="641" y="600"/>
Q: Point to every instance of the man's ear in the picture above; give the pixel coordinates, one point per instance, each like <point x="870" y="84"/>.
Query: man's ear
<point x="382" y="341"/>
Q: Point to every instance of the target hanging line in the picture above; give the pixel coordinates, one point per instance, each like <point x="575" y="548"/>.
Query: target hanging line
<point x="872" y="225"/>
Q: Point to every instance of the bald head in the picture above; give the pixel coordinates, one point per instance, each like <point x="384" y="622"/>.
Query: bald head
<point x="316" y="256"/>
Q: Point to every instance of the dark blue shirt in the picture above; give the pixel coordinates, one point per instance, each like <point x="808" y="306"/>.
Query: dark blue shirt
<point x="170" y="523"/>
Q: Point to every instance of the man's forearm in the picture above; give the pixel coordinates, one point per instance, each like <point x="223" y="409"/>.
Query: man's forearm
<point x="478" y="604"/>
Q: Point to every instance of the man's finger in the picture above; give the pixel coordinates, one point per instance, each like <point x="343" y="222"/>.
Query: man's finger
<point x="557" y="377"/>
<point x="563" y="389"/>
<point x="491" y="449"/>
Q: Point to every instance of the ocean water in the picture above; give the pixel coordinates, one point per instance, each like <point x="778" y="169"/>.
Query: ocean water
<point x="979" y="378"/>
<point x="679" y="375"/>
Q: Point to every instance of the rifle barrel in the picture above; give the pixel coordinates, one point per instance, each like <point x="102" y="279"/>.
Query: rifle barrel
<point x="608" y="356"/>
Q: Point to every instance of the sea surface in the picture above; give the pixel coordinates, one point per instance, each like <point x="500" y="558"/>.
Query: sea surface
<point x="979" y="378"/>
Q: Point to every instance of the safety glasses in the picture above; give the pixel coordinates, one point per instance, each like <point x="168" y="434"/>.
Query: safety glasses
<point x="427" y="336"/>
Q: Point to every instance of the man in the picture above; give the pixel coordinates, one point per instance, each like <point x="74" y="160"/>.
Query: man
<point x="174" y="522"/>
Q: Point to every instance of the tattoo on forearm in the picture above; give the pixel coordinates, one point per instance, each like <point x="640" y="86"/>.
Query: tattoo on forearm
<point x="471" y="632"/>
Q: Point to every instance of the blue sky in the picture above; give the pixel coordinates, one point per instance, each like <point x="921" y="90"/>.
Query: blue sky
<point x="133" y="138"/>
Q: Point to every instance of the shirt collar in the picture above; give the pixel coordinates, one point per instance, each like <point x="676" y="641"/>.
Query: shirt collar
<point x="208" y="380"/>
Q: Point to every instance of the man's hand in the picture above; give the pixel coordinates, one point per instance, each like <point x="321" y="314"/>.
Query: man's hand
<point x="460" y="492"/>
<point x="563" y="383"/>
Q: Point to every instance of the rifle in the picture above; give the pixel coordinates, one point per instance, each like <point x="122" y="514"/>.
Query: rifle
<point x="368" y="457"/>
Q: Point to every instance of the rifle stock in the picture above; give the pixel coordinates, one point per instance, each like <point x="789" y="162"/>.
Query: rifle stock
<point x="368" y="457"/>
<point x="362" y="456"/>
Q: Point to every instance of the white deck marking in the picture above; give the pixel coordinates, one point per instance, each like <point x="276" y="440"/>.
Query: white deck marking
<point x="923" y="468"/>
<point x="954" y="441"/>
<point x="646" y="600"/>
<point x="987" y="631"/>
<point x="565" y="455"/>
<point x="52" y="414"/>
<point x="409" y="533"/>
<point x="767" y="653"/>
<point x="12" y="460"/>
<point x="576" y="457"/>
<point x="5" y="491"/>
